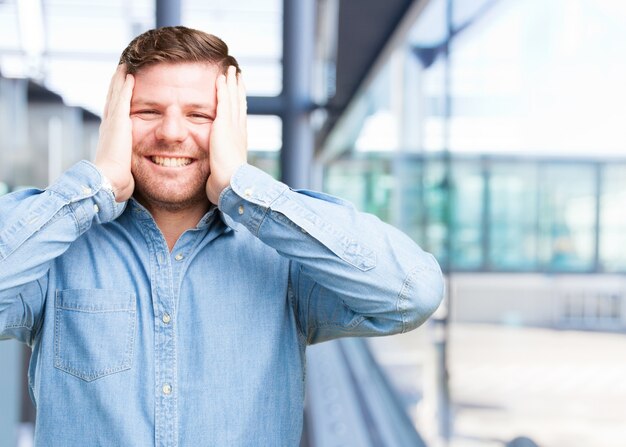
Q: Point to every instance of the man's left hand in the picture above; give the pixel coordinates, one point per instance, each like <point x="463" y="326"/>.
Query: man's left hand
<point x="228" y="144"/>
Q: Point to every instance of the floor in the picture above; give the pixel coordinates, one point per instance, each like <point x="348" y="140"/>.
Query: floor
<point x="558" y="388"/>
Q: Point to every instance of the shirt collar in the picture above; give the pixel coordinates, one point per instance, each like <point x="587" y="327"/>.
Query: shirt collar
<point x="212" y="216"/>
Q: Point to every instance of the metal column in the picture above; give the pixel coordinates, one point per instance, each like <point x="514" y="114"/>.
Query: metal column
<point x="167" y="13"/>
<point x="298" y="53"/>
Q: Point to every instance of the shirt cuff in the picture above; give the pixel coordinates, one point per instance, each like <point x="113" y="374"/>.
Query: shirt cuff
<point x="249" y="196"/>
<point x="82" y="188"/>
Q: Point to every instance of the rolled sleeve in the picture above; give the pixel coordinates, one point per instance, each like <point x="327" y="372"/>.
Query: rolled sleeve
<point x="352" y="274"/>
<point x="81" y="187"/>
<point x="249" y="197"/>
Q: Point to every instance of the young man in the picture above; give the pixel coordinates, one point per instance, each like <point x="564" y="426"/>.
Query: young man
<point x="168" y="291"/>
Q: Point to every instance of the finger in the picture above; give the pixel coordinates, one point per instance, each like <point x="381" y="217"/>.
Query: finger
<point x="126" y="94"/>
<point x="105" y="113"/>
<point x="243" y="102"/>
<point x="233" y="93"/>
<point x="120" y="103"/>
<point x="223" y="100"/>
<point x="116" y="81"/>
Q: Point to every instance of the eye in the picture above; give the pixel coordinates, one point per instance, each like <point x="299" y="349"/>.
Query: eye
<point x="200" y="118"/>
<point x="146" y="114"/>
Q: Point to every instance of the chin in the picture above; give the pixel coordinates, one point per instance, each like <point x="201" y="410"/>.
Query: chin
<point x="171" y="199"/>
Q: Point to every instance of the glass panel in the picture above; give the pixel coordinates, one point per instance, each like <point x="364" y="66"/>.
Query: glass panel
<point x="437" y="210"/>
<point x="4" y="188"/>
<point x="516" y="78"/>
<point x="433" y="123"/>
<point x="467" y="215"/>
<point x="513" y="216"/>
<point x="613" y="219"/>
<point x="265" y="141"/>
<point x="344" y="179"/>
<point x="9" y="31"/>
<point x="431" y="28"/>
<point x="366" y="182"/>
<point x="253" y="31"/>
<point x="408" y="209"/>
<point x="567" y="217"/>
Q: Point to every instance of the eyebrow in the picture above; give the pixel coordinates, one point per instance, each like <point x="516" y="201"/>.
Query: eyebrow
<point x="149" y="103"/>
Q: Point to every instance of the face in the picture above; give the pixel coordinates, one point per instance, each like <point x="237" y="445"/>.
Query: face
<point x="172" y="110"/>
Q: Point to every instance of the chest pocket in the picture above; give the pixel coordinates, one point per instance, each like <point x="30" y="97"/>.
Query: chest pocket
<point x="94" y="332"/>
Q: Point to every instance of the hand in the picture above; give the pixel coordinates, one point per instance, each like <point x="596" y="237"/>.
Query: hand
<point x="114" y="151"/>
<point x="228" y="144"/>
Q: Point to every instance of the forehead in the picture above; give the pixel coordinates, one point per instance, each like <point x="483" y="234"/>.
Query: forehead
<point x="180" y="79"/>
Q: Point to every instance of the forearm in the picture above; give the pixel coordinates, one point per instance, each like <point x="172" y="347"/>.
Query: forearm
<point x="374" y="270"/>
<point x="38" y="226"/>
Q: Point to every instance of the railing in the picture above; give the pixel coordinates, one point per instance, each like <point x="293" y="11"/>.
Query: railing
<point x="350" y="402"/>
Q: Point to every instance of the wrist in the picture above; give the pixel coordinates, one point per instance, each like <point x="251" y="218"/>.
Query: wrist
<point x="107" y="186"/>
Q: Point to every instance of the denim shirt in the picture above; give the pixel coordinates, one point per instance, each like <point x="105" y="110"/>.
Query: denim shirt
<point x="134" y="345"/>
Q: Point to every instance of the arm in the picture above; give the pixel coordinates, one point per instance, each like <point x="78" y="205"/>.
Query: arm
<point x="38" y="226"/>
<point x="35" y="228"/>
<point x="351" y="274"/>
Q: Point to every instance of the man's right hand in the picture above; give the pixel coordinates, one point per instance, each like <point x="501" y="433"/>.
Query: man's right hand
<point x="113" y="156"/>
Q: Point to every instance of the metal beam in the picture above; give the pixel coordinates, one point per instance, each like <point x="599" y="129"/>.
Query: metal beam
<point x="298" y="52"/>
<point x="265" y="105"/>
<point x="168" y="13"/>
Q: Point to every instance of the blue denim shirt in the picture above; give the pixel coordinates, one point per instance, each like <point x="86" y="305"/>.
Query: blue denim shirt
<point x="134" y="345"/>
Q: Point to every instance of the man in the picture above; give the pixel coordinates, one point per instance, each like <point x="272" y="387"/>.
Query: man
<point x="168" y="291"/>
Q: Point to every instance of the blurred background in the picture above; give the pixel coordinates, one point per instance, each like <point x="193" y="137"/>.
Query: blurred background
<point x="491" y="131"/>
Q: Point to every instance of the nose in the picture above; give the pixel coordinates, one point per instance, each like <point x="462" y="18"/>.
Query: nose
<point x="171" y="128"/>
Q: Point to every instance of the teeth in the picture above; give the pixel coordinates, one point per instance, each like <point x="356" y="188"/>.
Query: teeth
<point x="171" y="162"/>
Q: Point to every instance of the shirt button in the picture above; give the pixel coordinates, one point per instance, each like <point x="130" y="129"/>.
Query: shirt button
<point x="179" y="257"/>
<point x="96" y="209"/>
<point x="166" y="318"/>
<point x="167" y="389"/>
<point x="86" y="190"/>
<point x="240" y="210"/>
<point x="247" y="192"/>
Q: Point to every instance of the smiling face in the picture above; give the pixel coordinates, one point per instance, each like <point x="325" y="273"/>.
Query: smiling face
<point x="172" y="111"/>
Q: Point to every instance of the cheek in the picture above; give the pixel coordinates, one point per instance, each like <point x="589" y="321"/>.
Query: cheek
<point x="140" y="131"/>
<point x="202" y="138"/>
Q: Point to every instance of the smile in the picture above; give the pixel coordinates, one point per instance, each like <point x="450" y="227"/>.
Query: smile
<point x="171" y="162"/>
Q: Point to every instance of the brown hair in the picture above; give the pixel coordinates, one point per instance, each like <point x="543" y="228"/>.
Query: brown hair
<point x="173" y="44"/>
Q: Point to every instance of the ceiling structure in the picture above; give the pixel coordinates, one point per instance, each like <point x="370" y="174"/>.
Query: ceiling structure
<point x="364" y="29"/>
<point x="79" y="38"/>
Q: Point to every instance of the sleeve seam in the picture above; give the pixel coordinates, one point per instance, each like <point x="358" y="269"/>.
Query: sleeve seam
<point x="294" y="305"/>
<point x="38" y="323"/>
<point x="403" y="296"/>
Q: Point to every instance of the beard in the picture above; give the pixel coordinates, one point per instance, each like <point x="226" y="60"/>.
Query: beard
<point x="170" y="190"/>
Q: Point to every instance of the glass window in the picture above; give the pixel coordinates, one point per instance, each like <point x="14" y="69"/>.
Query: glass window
<point x="253" y="32"/>
<point x="344" y="179"/>
<point x="364" y="181"/>
<point x="264" y="142"/>
<point x="513" y="216"/>
<point x="408" y="210"/>
<point x="613" y="219"/>
<point x="467" y="215"/>
<point x="516" y="78"/>
<point x="567" y="210"/>
<point x="80" y="69"/>
<point x="436" y="222"/>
